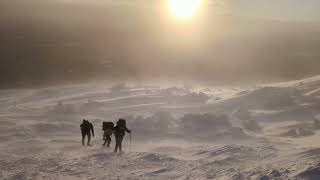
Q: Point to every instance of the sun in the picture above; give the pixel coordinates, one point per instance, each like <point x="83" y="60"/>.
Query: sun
<point x="184" y="9"/>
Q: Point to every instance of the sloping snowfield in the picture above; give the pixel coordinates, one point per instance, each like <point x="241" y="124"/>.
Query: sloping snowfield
<point x="267" y="132"/>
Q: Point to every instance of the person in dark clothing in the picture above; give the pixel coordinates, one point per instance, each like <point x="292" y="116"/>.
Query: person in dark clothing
<point x="86" y="127"/>
<point x="107" y="128"/>
<point x="119" y="132"/>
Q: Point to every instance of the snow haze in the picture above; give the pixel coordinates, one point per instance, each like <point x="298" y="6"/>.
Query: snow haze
<point x="269" y="131"/>
<point x="222" y="93"/>
<point x="56" y="42"/>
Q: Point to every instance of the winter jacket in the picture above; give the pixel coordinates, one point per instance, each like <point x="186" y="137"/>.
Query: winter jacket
<point x="120" y="130"/>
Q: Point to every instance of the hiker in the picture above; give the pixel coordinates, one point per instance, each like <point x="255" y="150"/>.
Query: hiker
<point x="86" y="127"/>
<point x="119" y="132"/>
<point x="107" y="128"/>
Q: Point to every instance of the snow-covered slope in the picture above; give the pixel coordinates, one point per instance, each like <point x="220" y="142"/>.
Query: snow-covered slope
<point x="178" y="133"/>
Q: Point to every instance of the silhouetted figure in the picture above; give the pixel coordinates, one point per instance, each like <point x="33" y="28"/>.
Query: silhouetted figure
<point x="107" y="127"/>
<point x="86" y="127"/>
<point x="119" y="132"/>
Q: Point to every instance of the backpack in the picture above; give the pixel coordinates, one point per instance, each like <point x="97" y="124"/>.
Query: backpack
<point x="122" y="122"/>
<point x="107" y="125"/>
<point x="86" y="125"/>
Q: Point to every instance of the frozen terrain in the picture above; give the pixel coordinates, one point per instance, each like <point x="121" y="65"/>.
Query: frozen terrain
<point x="266" y="132"/>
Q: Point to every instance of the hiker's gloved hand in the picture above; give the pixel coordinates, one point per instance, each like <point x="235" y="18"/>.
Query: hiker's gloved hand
<point x="129" y="131"/>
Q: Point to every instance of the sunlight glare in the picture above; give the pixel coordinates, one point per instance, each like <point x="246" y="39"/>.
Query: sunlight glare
<point x="184" y="9"/>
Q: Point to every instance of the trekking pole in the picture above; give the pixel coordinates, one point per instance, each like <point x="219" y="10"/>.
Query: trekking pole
<point x="130" y="141"/>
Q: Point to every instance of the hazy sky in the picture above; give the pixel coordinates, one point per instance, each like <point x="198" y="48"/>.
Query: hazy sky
<point x="297" y="10"/>
<point x="232" y="41"/>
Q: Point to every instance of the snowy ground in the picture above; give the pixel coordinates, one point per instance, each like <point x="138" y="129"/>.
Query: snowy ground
<point x="267" y="132"/>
